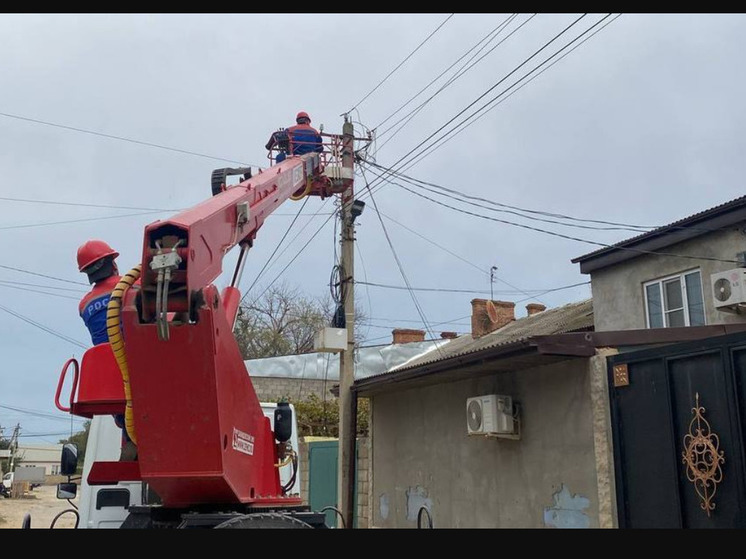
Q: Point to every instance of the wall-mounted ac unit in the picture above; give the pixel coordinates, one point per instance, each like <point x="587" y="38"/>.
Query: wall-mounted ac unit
<point x="490" y="415"/>
<point x="729" y="289"/>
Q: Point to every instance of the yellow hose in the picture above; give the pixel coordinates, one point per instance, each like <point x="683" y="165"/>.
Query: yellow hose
<point x="305" y="192"/>
<point x="114" y="330"/>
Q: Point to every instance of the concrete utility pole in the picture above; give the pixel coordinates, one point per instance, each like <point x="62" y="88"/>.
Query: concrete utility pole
<point x="14" y="445"/>
<point x="347" y="411"/>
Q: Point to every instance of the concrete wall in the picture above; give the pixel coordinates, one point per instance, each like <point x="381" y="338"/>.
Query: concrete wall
<point x="618" y="296"/>
<point x="269" y="389"/>
<point x="422" y="454"/>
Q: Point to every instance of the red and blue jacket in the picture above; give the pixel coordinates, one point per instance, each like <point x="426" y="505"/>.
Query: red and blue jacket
<point x="304" y="138"/>
<point x="92" y="308"/>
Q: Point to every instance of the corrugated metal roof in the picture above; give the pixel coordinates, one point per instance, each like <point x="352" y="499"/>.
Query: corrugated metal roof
<point x="369" y="361"/>
<point x="676" y="225"/>
<point x="573" y="317"/>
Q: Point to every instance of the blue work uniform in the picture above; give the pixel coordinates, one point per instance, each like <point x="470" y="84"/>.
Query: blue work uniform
<point x="92" y="310"/>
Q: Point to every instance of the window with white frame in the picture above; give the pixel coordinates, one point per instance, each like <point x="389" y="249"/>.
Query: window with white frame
<point x="675" y="301"/>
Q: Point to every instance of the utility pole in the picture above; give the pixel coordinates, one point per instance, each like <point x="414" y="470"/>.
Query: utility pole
<point x="347" y="401"/>
<point x="14" y="445"/>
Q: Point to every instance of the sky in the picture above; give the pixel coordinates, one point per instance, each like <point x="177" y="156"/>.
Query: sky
<point x="641" y="124"/>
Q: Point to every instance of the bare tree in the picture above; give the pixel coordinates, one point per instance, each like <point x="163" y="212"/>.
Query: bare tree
<point x="280" y="322"/>
<point x="283" y="321"/>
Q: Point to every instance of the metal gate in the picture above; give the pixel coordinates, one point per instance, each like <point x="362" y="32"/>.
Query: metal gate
<point x="322" y="479"/>
<point x="678" y="418"/>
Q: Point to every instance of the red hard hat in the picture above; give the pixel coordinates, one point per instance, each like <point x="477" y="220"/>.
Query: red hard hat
<point x="91" y="251"/>
<point x="302" y="114"/>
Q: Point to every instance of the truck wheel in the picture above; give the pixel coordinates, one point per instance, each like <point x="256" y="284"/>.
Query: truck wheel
<point x="263" y="520"/>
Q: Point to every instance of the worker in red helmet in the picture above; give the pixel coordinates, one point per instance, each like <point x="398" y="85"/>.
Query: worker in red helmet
<point x="96" y="260"/>
<point x="297" y="140"/>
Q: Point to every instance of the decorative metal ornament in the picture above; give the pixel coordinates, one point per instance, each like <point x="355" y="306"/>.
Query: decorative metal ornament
<point x="621" y="375"/>
<point x="703" y="457"/>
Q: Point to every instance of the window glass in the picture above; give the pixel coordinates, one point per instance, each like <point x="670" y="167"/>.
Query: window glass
<point x="655" y="309"/>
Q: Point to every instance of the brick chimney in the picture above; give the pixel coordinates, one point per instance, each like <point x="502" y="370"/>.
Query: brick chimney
<point x="449" y="335"/>
<point x="480" y="320"/>
<point x="406" y="335"/>
<point x="535" y="308"/>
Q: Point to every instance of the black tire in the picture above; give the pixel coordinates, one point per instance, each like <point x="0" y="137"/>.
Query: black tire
<point x="263" y="520"/>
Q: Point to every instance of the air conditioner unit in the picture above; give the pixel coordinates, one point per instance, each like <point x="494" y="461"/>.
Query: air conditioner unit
<point x="489" y="415"/>
<point x="729" y="289"/>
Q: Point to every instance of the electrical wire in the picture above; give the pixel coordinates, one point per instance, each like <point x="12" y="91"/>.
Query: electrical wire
<point x="122" y="139"/>
<point x="292" y="260"/>
<point x="495" y="31"/>
<point x="408" y="118"/>
<point x="84" y="205"/>
<point x="563" y="236"/>
<point x="398" y="66"/>
<point x="3" y="284"/>
<point x="43" y="286"/>
<point x="277" y="247"/>
<point x="455" y="290"/>
<point x="420" y="311"/>
<point x="44" y="224"/>
<point x="41" y="275"/>
<point x="36" y="413"/>
<point x="490" y="89"/>
<point x="464" y="125"/>
<point x="45" y="328"/>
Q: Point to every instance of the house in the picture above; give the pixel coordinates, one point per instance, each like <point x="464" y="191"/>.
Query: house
<point x="45" y="456"/>
<point x="423" y="456"/>
<point x="585" y="435"/>
<point x="664" y="278"/>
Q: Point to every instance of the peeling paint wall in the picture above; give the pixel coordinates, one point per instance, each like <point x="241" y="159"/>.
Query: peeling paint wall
<point x="423" y="456"/>
<point x="568" y="511"/>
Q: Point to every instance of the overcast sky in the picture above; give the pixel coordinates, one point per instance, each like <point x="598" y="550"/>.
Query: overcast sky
<point x="642" y="124"/>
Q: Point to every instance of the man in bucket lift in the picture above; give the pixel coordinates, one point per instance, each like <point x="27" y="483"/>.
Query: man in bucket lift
<point x="96" y="260"/>
<point x="299" y="139"/>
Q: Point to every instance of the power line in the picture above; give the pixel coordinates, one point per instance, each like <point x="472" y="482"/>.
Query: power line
<point x="44" y="224"/>
<point x="85" y="205"/>
<point x="296" y="256"/>
<point x="466" y="199"/>
<point x="36" y="413"/>
<point x="3" y="284"/>
<point x="115" y="207"/>
<point x="494" y="31"/>
<point x="122" y="138"/>
<point x="409" y="116"/>
<point x="43" y="286"/>
<point x="41" y="275"/>
<point x="400" y="64"/>
<point x="436" y="324"/>
<point x="420" y="311"/>
<point x="435" y="244"/>
<point x="277" y="247"/>
<point x="563" y="236"/>
<point x="472" y="291"/>
<point x="292" y="260"/>
<point x="45" y="328"/>
<point x="486" y="92"/>
<point x="456" y="130"/>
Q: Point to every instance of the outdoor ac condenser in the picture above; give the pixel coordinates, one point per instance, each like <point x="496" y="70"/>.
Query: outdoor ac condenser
<point x="489" y="415"/>
<point x="729" y="289"/>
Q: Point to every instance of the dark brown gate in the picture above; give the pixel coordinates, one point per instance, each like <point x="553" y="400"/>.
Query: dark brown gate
<point x="678" y="416"/>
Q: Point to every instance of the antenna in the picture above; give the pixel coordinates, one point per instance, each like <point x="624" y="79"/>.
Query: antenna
<point x="492" y="281"/>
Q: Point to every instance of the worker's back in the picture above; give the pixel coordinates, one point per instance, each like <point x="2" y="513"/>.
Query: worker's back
<point x="304" y="138"/>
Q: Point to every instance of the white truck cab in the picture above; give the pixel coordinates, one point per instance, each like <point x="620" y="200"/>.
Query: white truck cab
<point x="105" y="506"/>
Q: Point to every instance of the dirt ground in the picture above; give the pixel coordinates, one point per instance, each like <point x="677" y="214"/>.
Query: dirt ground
<point x="43" y="505"/>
